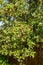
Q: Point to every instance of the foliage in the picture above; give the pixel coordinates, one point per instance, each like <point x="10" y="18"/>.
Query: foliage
<point x="22" y="28"/>
<point x="3" y="61"/>
<point x="15" y="40"/>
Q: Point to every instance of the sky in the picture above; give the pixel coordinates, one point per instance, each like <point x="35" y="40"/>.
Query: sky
<point x="6" y="0"/>
<point x="1" y="23"/>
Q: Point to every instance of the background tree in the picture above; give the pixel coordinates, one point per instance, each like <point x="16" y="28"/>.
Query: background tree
<point x="22" y="28"/>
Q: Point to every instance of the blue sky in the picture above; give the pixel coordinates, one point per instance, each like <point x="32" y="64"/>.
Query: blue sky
<point x="6" y="0"/>
<point x="1" y="23"/>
